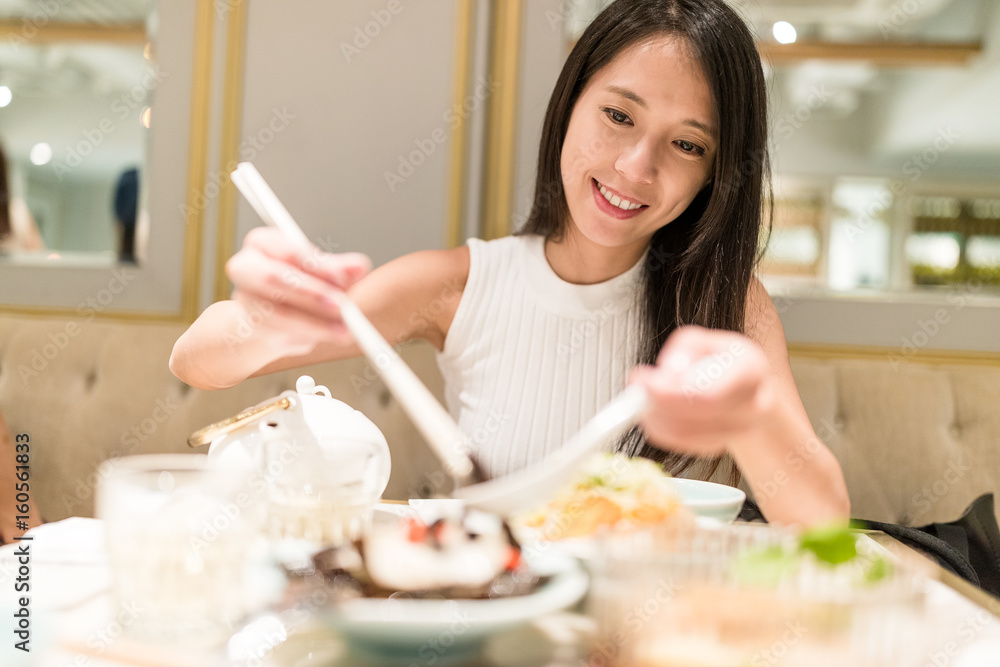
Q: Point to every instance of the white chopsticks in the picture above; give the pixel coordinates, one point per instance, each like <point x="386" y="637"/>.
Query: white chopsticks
<point x="431" y="419"/>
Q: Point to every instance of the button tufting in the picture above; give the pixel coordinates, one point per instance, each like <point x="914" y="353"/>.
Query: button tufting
<point x="90" y="380"/>
<point x="955" y="431"/>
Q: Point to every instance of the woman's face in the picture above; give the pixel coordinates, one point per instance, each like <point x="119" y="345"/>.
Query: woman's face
<point x="644" y="132"/>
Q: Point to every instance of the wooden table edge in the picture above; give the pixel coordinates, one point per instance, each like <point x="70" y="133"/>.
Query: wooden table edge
<point x="975" y="595"/>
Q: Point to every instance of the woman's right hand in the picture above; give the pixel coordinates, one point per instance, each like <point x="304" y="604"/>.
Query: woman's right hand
<point x="284" y="311"/>
<point x="289" y="292"/>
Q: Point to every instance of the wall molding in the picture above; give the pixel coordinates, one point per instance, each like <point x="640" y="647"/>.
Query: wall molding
<point x="892" y="354"/>
<point x="201" y="105"/>
<point x="232" y="127"/>
<point x="459" y="182"/>
<point x="58" y="31"/>
<point x="502" y="119"/>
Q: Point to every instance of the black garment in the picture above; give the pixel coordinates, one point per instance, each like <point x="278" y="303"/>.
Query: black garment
<point x="968" y="547"/>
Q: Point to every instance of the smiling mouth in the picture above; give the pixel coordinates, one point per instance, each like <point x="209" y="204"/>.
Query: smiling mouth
<point x="616" y="201"/>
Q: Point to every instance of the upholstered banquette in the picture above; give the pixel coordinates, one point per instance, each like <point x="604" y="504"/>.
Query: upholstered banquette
<point x="917" y="442"/>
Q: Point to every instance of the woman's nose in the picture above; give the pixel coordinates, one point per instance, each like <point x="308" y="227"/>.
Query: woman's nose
<point x="637" y="163"/>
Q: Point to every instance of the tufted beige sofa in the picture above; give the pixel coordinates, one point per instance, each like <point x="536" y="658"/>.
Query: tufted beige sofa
<point x="917" y="442"/>
<point x="106" y="391"/>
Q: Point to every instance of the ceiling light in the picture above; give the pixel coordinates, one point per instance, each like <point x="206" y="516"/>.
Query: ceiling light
<point x="40" y="154"/>
<point x="5" y="96"/>
<point x="784" y="32"/>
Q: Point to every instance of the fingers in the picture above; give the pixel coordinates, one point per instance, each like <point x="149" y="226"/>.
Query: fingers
<point x="341" y="270"/>
<point x="688" y="344"/>
<point x="710" y="386"/>
<point x="274" y="268"/>
<point x="706" y="363"/>
<point x="705" y="387"/>
<point x="728" y="379"/>
<point x="264" y="278"/>
<point x="290" y="293"/>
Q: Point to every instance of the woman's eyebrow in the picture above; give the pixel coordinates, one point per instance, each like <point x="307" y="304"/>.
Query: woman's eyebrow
<point x="628" y="95"/>
<point x="634" y="97"/>
<point x="699" y="125"/>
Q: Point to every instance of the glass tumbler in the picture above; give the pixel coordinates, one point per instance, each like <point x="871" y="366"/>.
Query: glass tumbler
<point x="178" y="535"/>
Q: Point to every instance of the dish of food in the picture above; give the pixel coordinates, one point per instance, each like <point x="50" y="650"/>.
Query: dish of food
<point x="612" y="490"/>
<point x="461" y="578"/>
<point x="466" y="556"/>
<point x="736" y="591"/>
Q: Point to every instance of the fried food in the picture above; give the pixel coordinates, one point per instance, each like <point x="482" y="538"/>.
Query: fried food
<point x="612" y="491"/>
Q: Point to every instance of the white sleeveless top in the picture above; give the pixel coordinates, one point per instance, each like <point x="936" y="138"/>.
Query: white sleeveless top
<point x="529" y="357"/>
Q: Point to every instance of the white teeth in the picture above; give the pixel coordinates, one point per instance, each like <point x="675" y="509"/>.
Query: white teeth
<point x="615" y="200"/>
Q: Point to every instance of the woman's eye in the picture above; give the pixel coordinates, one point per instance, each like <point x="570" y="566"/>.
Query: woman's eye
<point x="688" y="147"/>
<point x="617" y="116"/>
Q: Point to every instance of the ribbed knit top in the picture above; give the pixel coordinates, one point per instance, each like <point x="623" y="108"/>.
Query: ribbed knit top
<point x="529" y="357"/>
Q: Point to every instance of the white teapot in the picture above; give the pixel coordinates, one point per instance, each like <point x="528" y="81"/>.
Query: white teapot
<point x="316" y="456"/>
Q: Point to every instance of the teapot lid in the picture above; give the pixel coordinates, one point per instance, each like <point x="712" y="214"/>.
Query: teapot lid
<point x="327" y="416"/>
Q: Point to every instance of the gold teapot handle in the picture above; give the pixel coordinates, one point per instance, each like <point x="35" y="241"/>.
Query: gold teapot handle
<point x="206" y="435"/>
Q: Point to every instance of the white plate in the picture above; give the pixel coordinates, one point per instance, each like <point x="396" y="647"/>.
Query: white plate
<point x="442" y="631"/>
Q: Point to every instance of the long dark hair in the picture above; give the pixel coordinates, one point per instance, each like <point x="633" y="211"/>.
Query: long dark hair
<point x="699" y="266"/>
<point x="5" y="229"/>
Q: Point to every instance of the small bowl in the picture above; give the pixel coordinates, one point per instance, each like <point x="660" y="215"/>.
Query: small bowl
<point x="708" y="499"/>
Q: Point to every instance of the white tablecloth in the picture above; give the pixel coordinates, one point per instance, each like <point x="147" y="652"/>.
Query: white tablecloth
<point x="70" y="607"/>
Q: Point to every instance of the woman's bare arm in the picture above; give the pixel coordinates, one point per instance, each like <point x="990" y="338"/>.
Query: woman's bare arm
<point x="717" y="391"/>
<point x="282" y="314"/>
<point x="794" y="477"/>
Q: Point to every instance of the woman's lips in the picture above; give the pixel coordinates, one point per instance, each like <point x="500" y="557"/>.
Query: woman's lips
<point x="611" y="209"/>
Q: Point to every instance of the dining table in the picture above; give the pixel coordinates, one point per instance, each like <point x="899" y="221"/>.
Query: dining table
<point x="74" y="621"/>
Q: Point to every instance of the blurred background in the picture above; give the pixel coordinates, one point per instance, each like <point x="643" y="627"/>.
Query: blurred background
<point x="390" y="126"/>
<point x="424" y="119"/>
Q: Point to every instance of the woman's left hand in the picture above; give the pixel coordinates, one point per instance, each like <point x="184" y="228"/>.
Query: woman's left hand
<point x="708" y="387"/>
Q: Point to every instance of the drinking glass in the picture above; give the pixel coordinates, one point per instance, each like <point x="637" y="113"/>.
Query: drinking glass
<point x="178" y="535"/>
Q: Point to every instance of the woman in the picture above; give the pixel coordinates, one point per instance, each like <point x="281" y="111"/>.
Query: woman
<point x="18" y="230"/>
<point x="651" y="183"/>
